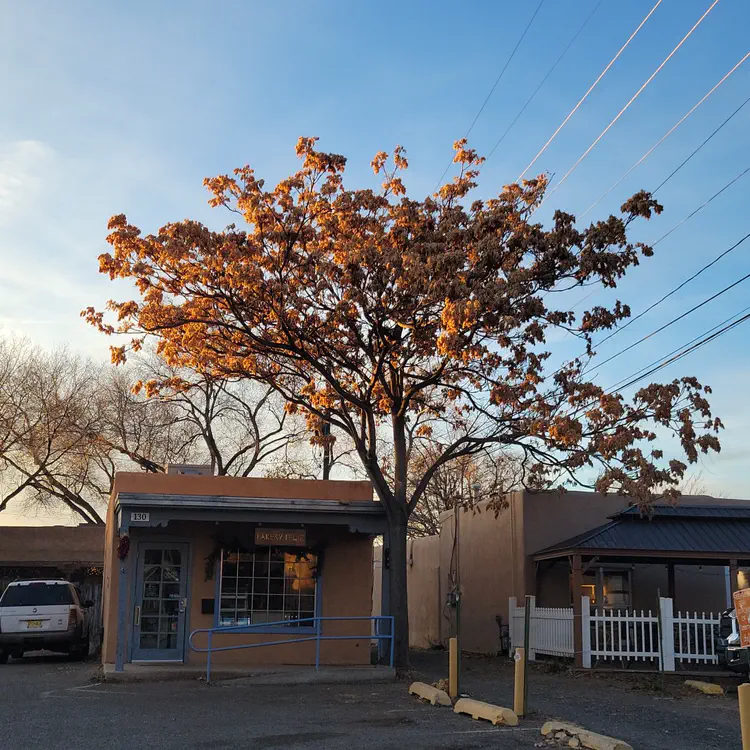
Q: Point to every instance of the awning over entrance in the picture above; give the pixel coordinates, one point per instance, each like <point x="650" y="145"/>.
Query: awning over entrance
<point x="138" y="509"/>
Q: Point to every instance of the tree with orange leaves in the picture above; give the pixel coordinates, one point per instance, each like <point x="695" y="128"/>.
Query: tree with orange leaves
<point x="397" y="320"/>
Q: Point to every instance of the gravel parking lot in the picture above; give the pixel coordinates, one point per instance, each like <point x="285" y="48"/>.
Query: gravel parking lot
<point x="51" y="703"/>
<point x="634" y="708"/>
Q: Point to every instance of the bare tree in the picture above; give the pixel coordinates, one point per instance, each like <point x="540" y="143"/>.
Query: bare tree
<point x="234" y="426"/>
<point x="49" y="425"/>
<point x="67" y="425"/>
<point x="461" y="483"/>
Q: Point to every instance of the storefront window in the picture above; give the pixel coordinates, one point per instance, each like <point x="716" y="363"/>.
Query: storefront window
<point x="267" y="586"/>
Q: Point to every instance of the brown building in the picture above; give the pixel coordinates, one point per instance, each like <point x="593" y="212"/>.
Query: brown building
<point x="188" y="552"/>
<point x="529" y="548"/>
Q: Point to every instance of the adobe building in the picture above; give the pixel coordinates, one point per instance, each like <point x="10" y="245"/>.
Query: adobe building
<point x="559" y="546"/>
<point x="186" y="551"/>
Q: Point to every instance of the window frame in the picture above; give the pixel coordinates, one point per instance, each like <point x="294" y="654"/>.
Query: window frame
<point x="260" y="627"/>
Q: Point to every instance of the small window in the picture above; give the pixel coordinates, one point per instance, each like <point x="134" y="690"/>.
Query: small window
<point x="267" y="586"/>
<point x="616" y="589"/>
<point x="589" y="589"/>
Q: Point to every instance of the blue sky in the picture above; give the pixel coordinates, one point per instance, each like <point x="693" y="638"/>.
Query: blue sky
<point x="126" y="107"/>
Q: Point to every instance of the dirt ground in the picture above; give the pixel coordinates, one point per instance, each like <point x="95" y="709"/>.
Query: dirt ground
<point x="636" y="708"/>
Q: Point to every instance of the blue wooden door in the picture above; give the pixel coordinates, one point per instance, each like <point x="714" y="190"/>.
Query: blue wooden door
<point x="160" y="602"/>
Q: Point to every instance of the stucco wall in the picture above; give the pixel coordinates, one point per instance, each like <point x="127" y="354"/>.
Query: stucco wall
<point x="346" y="590"/>
<point x="424" y="585"/>
<point x="249" y="487"/>
<point x="490" y="569"/>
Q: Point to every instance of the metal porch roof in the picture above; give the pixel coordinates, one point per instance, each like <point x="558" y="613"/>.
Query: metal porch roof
<point x="722" y="535"/>
<point x="221" y="502"/>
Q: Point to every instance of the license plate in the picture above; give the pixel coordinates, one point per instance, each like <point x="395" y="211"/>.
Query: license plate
<point x="33" y="624"/>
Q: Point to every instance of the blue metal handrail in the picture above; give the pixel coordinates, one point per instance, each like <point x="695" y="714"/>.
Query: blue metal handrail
<point x="317" y="637"/>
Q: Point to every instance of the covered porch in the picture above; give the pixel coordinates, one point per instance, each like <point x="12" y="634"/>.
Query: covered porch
<point x="692" y="557"/>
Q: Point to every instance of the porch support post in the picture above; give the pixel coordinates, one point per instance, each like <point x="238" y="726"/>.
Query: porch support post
<point x="122" y="601"/>
<point x="576" y="581"/>
<point x="670" y="581"/>
<point x="733" y="566"/>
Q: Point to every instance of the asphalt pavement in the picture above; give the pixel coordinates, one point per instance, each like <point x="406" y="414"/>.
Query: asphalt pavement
<point x="49" y="703"/>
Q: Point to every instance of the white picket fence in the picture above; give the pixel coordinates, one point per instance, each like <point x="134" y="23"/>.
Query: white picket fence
<point x="663" y="638"/>
<point x="550" y="629"/>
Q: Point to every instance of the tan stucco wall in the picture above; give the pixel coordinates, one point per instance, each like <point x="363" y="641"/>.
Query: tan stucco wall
<point x="426" y="598"/>
<point x="189" y="484"/>
<point x="110" y="586"/>
<point x="489" y="567"/>
<point x="346" y="590"/>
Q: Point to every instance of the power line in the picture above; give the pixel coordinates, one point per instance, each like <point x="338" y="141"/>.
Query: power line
<point x="700" y="146"/>
<point x="671" y="322"/>
<point x="544" y="80"/>
<point x="701" y="207"/>
<point x="676" y="289"/>
<point x="591" y="88"/>
<point x="634" y="97"/>
<point x="687" y="351"/>
<point x="665" y="136"/>
<point x="494" y="85"/>
<point x="678" y="349"/>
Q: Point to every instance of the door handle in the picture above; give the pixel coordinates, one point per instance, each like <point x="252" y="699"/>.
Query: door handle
<point x="137" y="618"/>
<point x="183" y="605"/>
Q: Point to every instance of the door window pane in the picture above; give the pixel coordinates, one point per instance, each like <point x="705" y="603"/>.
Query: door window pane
<point x="160" y="619"/>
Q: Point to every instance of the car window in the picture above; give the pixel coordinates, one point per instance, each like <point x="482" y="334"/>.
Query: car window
<point x="37" y="595"/>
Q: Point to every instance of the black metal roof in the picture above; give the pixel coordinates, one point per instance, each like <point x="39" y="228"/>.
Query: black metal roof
<point x="687" y="511"/>
<point x="696" y="530"/>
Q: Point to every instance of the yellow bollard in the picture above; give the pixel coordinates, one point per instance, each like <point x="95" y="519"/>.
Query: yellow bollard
<point x="519" y="692"/>
<point x="453" y="668"/>
<point x="743" y="694"/>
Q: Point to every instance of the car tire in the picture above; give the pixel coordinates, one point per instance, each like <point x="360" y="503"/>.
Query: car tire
<point x="80" y="652"/>
<point x="4" y="657"/>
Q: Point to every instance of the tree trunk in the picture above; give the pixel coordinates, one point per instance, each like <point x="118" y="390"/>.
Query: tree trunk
<point x="398" y="594"/>
<point x="327" y="451"/>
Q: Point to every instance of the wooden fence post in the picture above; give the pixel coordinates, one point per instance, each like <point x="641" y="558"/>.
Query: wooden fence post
<point x="534" y="627"/>
<point x="666" y="609"/>
<point x="585" y="632"/>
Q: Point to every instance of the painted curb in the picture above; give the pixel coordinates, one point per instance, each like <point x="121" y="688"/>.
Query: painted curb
<point x="480" y="710"/>
<point x="429" y="693"/>
<point x="587" y="739"/>
<point x="709" y="688"/>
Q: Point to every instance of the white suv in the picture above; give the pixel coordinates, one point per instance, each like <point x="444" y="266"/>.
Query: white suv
<point x="43" y="615"/>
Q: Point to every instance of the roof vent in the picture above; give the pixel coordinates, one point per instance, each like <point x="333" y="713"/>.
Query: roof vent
<point x="203" y="470"/>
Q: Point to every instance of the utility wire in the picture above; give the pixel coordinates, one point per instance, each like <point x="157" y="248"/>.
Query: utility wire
<point x="634" y="97"/>
<point x="676" y="289"/>
<point x="687" y="351"/>
<point x="591" y="88"/>
<point x="664" y="137"/>
<point x="544" y="80"/>
<point x="668" y="359"/>
<point x="494" y="85"/>
<point x="700" y="208"/>
<point x="671" y="322"/>
<point x="699" y="147"/>
<point x="678" y="349"/>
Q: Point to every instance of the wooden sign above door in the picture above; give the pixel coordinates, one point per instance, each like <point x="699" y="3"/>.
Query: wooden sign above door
<point x="281" y="537"/>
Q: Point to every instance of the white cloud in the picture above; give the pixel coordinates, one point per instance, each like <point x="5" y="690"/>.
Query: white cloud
<point x="23" y="166"/>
